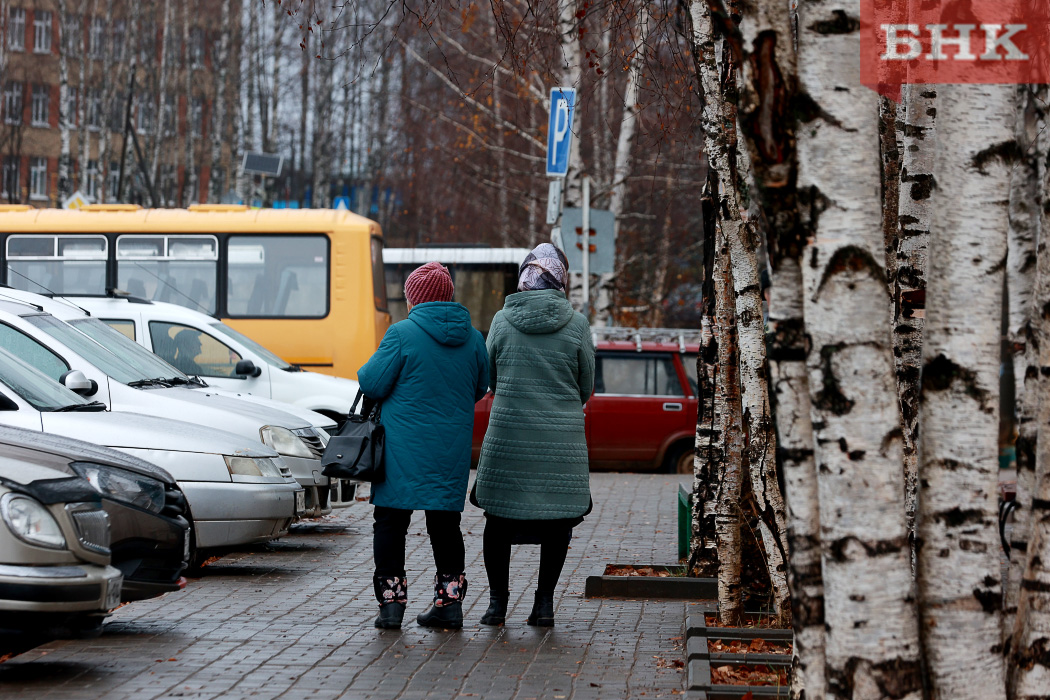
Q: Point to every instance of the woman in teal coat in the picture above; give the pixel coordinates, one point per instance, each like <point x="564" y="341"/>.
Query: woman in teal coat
<point x="533" y="479"/>
<point x="428" y="372"/>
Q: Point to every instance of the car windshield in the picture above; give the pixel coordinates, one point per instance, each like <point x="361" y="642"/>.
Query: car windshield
<point x="87" y="348"/>
<point x="41" y="391"/>
<point x="259" y="350"/>
<point x="128" y="350"/>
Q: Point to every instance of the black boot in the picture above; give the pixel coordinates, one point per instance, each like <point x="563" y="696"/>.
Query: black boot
<point x="447" y="610"/>
<point x="390" y="616"/>
<point x="542" y="611"/>
<point x="497" y="612"/>
<point x="392" y="594"/>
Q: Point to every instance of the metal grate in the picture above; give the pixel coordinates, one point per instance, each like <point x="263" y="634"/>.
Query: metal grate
<point x="312" y="441"/>
<point x="92" y="529"/>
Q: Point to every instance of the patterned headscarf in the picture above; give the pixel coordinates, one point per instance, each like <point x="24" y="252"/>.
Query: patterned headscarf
<point x="544" y="268"/>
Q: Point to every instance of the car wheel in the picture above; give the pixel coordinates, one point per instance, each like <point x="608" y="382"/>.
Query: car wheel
<point x="679" y="459"/>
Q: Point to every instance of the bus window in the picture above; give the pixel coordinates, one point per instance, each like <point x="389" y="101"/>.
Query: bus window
<point x="193" y="351"/>
<point x="378" y="290"/>
<point x="277" y="276"/>
<point x="178" y="269"/>
<point x="59" y="264"/>
<point x="121" y="326"/>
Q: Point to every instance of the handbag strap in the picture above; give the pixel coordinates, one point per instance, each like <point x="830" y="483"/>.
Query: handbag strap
<point x="376" y="411"/>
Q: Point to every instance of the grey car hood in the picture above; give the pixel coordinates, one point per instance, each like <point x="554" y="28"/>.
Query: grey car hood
<point x="130" y="430"/>
<point x="73" y="450"/>
<point x="265" y="415"/>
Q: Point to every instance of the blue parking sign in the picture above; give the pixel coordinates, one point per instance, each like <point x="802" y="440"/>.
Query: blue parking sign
<point x="559" y="130"/>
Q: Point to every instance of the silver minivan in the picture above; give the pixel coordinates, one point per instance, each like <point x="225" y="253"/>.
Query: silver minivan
<point x="238" y="491"/>
<point x="128" y="382"/>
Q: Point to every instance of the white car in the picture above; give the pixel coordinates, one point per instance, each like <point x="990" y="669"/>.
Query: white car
<point x="244" y="365"/>
<point x="132" y="379"/>
<point x="238" y="491"/>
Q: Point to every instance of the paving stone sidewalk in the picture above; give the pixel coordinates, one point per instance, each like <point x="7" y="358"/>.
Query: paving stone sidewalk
<point x="293" y="619"/>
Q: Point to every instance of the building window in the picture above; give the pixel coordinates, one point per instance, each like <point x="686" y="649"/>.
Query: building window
<point x="38" y="178"/>
<point x="97" y="39"/>
<point x="116" y="112"/>
<point x="94" y="108"/>
<point x="197" y="115"/>
<point x="41" y="31"/>
<point x="13" y="104"/>
<point x="196" y="47"/>
<point x="118" y="40"/>
<point x="91" y="179"/>
<point x="16" y="34"/>
<point x="168" y="115"/>
<point x="41" y="104"/>
<point x="11" y="179"/>
<point x="145" y="114"/>
<point x="71" y="106"/>
<point x="113" y="181"/>
<point x="72" y="35"/>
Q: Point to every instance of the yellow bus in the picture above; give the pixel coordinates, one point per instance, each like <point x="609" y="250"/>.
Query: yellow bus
<point x="307" y="284"/>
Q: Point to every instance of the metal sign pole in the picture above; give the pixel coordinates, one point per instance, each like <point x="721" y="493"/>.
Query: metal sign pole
<point x="586" y="245"/>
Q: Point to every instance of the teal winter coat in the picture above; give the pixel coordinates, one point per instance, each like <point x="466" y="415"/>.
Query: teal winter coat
<point x="533" y="462"/>
<point x="429" y="371"/>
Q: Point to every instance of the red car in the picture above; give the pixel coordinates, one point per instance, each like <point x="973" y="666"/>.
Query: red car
<point x="642" y="414"/>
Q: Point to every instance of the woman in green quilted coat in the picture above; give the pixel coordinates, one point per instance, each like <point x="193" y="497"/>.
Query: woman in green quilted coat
<point x="533" y="479"/>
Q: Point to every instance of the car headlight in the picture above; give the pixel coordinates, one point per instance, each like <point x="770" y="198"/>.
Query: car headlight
<point x="285" y="442"/>
<point x="31" y="522"/>
<point x="253" y="466"/>
<point x="124" y="486"/>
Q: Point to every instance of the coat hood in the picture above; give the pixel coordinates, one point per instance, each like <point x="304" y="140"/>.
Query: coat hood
<point x="540" y="311"/>
<point x="445" y="321"/>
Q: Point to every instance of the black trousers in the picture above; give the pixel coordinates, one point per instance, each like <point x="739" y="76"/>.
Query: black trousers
<point x="553" y="537"/>
<point x="388" y="541"/>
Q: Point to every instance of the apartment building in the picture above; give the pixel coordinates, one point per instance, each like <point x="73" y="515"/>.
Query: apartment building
<point x="160" y="76"/>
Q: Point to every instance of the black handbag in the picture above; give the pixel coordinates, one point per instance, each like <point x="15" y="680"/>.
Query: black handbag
<point x="356" y="451"/>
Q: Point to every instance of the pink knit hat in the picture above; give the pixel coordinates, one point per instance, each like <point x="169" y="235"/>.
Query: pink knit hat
<point x="431" y="282"/>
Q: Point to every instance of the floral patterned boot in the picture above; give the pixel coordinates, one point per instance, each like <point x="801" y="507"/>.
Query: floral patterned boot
<point x="392" y="594"/>
<point x="447" y="611"/>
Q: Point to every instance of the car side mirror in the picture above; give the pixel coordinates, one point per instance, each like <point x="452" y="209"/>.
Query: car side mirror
<point x="247" y="368"/>
<point x="75" y="381"/>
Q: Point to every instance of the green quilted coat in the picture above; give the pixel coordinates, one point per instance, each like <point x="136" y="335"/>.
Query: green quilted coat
<point x="541" y="366"/>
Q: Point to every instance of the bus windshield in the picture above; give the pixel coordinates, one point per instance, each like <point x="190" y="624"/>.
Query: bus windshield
<point x="131" y="352"/>
<point x="269" y="357"/>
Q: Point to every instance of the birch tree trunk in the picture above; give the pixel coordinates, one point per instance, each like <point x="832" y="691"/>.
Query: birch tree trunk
<point x="1025" y="311"/>
<point x="909" y="281"/>
<point x="960" y="587"/>
<point x="570" y="69"/>
<point x="218" y="129"/>
<point x="65" y="152"/>
<point x="190" y="182"/>
<point x="718" y="122"/>
<point x="1030" y="646"/>
<point x="872" y="644"/>
<point x="162" y="89"/>
<point x="730" y="431"/>
<point x="768" y="81"/>
<point x="108" y="90"/>
<point x="83" y="135"/>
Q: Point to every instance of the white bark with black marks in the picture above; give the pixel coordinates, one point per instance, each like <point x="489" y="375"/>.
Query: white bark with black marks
<point x="960" y="587"/>
<point x="1030" y="648"/>
<point x="872" y="643"/>
<point x="65" y="149"/>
